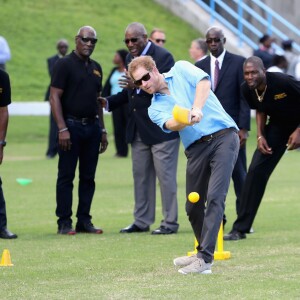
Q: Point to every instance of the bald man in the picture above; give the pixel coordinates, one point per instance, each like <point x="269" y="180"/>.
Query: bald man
<point x="276" y="99"/>
<point x="75" y="86"/>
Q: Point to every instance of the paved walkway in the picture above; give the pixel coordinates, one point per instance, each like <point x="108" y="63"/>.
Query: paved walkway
<point x="34" y="108"/>
<point x="29" y="108"/>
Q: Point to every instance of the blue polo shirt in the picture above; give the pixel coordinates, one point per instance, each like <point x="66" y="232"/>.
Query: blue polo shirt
<point x="182" y="80"/>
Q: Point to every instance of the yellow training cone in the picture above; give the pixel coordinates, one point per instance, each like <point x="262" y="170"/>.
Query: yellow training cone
<point x="6" y="260"/>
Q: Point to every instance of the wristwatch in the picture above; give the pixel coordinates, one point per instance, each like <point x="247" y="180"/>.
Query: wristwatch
<point x="3" y="143"/>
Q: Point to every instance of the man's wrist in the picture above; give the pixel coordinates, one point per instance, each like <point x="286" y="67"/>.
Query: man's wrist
<point x="3" y="143"/>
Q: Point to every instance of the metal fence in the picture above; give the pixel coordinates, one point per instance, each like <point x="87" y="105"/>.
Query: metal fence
<point x="250" y="20"/>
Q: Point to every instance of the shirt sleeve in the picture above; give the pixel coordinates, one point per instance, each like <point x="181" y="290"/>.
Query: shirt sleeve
<point x="5" y="90"/>
<point x="60" y="73"/>
<point x="190" y="72"/>
<point x="160" y="111"/>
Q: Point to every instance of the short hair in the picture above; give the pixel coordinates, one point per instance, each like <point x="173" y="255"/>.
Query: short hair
<point x="264" y="38"/>
<point x="278" y="60"/>
<point x="137" y="27"/>
<point x="141" y="61"/>
<point x="156" y="30"/>
<point x="256" y="61"/>
<point x="201" y="43"/>
<point x="215" y="29"/>
<point x="62" y="41"/>
<point x="87" y="27"/>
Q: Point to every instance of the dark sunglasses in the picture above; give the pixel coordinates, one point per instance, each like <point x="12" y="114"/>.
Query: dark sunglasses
<point x="216" y="40"/>
<point x="86" y="40"/>
<point x="160" y="41"/>
<point x="139" y="82"/>
<point x="133" y="40"/>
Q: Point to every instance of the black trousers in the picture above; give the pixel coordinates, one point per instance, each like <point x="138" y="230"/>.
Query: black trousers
<point x="52" y="138"/>
<point x="259" y="172"/>
<point x="120" y="118"/>
<point x="238" y="177"/>
<point x="209" y="169"/>
<point x="84" y="151"/>
<point x="3" y="219"/>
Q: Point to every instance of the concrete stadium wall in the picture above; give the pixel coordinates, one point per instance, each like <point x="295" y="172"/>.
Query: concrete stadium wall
<point x="199" y="19"/>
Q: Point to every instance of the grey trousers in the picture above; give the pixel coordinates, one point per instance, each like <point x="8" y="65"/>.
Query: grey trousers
<point x="209" y="169"/>
<point x="148" y="162"/>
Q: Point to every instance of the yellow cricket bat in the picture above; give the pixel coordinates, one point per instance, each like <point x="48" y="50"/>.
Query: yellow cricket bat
<point x="182" y="114"/>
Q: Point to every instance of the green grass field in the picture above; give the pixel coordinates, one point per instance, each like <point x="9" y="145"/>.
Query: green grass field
<point x="33" y="27"/>
<point x="136" y="266"/>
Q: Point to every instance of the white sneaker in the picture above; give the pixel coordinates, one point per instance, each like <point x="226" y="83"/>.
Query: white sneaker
<point x="184" y="260"/>
<point x="198" y="266"/>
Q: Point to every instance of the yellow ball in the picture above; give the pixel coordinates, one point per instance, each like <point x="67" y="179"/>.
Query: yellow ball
<point x="193" y="197"/>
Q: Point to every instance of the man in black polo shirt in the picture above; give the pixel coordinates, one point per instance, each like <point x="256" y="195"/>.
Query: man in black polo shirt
<point x="4" y="102"/>
<point x="276" y="98"/>
<point x="75" y="85"/>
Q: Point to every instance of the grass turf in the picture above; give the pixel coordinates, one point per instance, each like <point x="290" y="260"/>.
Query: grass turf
<point x="136" y="266"/>
<point x="32" y="29"/>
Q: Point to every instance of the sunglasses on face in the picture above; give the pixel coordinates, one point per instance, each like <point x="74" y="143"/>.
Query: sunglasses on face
<point x="216" y="40"/>
<point x="133" y="40"/>
<point x="139" y="82"/>
<point x="85" y="40"/>
<point x="160" y="41"/>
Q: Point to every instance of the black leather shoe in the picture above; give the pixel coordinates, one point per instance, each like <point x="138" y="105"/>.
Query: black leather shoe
<point x="88" y="228"/>
<point x="133" y="228"/>
<point x="6" y="234"/>
<point x="66" y="229"/>
<point x="234" y="236"/>
<point x="163" y="230"/>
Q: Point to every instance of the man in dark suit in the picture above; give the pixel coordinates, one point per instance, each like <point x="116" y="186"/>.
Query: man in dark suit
<point x="154" y="152"/>
<point x="62" y="49"/>
<point x="226" y="81"/>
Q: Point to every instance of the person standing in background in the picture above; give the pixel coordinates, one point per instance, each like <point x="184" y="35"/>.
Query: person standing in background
<point x="279" y="64"/>
<point x="198" y="50"/>
<point x="158" y="37"/>
<point x="120" y="114"/>
<point x="226" y="84"/>
<point x="154" y="152"/>
<point x="276" y="99"/>
<point x="292" y="58"/>
<point x="75" y="86"/>
<point x="5" y="100"/>
<point x="4" y="53"/>
<point x="265" y="50"/>
<point x="62" y="49"/>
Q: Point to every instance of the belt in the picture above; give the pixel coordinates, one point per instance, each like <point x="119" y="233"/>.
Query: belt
<point x="214" y="135"/>
<point x="83" y="121"/>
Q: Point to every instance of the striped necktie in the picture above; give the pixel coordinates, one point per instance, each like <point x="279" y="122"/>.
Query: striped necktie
<point x="216" y="74"/>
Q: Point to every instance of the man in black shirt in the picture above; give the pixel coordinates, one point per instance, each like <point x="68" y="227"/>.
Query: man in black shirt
<point x="5" y="100"/>
<point x="75" y="86"/>
<point x="276" y="97"/>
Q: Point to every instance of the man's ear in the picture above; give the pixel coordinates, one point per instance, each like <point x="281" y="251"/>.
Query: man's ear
<point x="224" y="40"/>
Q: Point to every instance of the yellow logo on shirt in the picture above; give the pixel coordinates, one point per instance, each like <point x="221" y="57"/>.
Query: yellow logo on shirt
<point x="280" y="96"/>
<point x="1" y="90"/>
<point x="97" y="73"/>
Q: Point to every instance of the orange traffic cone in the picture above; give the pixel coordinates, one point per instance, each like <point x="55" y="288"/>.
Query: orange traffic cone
<point x="6" y="260"/>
